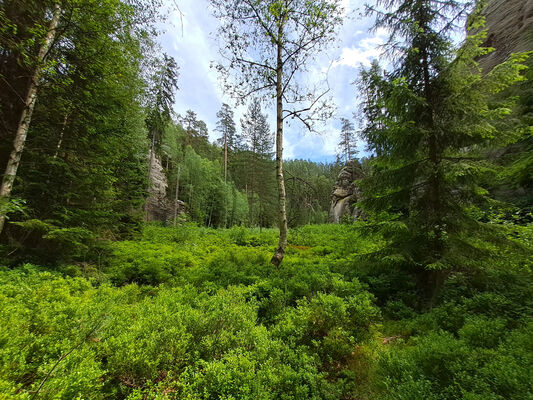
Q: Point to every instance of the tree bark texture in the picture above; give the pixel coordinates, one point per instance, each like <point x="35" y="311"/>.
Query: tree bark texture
<point x="280" y="251"/>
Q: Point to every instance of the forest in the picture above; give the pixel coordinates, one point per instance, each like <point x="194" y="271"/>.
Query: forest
<point x="150" y="253"/>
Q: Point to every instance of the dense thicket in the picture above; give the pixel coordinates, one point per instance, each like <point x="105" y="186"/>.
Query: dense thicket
<point x="199" y="313"/>
<point x="84" y="163"/>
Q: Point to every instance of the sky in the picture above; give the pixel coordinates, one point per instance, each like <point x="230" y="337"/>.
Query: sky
<point x="190" y="39"/>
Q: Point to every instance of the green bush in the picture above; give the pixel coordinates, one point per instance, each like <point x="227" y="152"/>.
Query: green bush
<point x="200" y="313"/>
<point x="147" y="263"/>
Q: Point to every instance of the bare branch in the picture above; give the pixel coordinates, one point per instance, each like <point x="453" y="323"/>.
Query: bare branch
<point x="306" y="109"/>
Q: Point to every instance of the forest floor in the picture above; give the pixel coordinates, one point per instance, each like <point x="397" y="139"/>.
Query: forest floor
<point x="198" y="313"/>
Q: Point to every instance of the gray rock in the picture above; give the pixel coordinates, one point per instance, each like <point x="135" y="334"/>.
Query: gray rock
<point x="346" y="193"/>
<point x="510" y="30"/>
<point x="158" y="206"/>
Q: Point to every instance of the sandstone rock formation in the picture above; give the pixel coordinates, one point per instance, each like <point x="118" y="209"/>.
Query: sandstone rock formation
<point x="510" y="30"/>
<point x="346" y="193"/>
<point x="158" y="207"/>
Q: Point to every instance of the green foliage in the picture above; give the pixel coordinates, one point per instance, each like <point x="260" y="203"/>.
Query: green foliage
<point x="476" y="365"/>
<point x="193" y="312"/>
<point x="48" y="342"/>
<point x="428" y="121"/>
<point x="84" y="162"/>
<point x="198" y="336"/>
<point x="13" y="206"/>
<point x="308" y="186"/>
<point x="48" y="243"/>
<point x="147" y="264"/>
<point x="210" y="200"/>
<point x="207" y="316"/>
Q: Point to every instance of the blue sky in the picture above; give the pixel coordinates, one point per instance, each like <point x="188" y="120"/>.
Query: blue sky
<point x="190" y="39"/>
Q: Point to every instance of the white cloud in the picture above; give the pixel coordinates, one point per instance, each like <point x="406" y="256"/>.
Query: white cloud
<point x="363" y="52"/>
<point x="288" y="149"/>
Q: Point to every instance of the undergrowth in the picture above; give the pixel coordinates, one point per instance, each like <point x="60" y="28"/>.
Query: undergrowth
<point x="197" y="313"/>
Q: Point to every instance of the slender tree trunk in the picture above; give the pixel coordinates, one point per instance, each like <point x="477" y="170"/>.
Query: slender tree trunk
<point x="349" y="150"/>
<point x="210" y="214"/>
<point x="225" y="156"/>
<point x="260" y="214"/>
<point x="61" y="135"/>
<point x="280" y="251"/>
<point x="437" y="277"/>
<point x="29" y="104"/>
<point x="176" y="198"/>
<point x="252" y="189"/>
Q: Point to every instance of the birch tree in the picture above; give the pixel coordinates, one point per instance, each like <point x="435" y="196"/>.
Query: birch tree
<point x="267" y="45"/>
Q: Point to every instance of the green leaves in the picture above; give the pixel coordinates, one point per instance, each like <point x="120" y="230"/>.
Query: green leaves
<point x="224" y="323"/>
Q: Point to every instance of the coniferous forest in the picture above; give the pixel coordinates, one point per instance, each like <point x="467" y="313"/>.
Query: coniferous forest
<point x="148" y="254"/>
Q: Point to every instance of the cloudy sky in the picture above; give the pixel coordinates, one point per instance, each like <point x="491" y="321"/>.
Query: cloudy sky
<point x="190" y="39"/>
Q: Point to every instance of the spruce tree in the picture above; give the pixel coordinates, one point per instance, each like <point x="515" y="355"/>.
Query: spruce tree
<point x="161" y="98"/>
<point x="427" y="121"/>
<point x="347" y="147"/>
<point x="226" y="127"/>
<point x="258" y="142"/>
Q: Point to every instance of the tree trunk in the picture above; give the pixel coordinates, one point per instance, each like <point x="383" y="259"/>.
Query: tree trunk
<point x="436" y="278"/>
<point x="280" y="251"/>
<point x="176" y="198"/>
<point x="225" y="156"/>
<point x="348" y="145"/>
<point x="260" y="214"/>
<point x="61" y="135"/>
<point x="29" y="104"/>
<point x="252" y="189"/>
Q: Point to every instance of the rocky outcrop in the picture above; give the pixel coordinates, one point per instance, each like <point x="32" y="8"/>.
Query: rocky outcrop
<point x="346" y="193"/>
<point x="510" y="30"/>
<point x="158" y="207"/>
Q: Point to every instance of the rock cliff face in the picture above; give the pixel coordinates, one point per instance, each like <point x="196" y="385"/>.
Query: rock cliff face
<point x="158" y="207"/>
<point x="346" y="193"/>
<point x="510" y="30"/>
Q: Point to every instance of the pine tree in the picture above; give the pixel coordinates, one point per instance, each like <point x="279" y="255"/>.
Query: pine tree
<point x="258" y="141"/>
<point x="347" y="147"/>
<point x="226" y="127"/>
<point x="428" y="118"/>
<point x="197" y="134"/>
